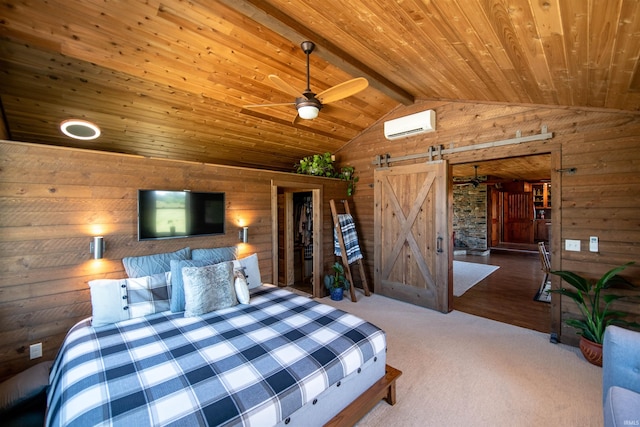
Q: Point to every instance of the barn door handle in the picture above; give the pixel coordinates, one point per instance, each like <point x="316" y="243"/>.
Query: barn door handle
<point x="439" y="244"/>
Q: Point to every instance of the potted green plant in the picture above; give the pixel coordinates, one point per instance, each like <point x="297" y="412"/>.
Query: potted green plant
<point x="337" y="282"/>
<point x="595" y="307"/>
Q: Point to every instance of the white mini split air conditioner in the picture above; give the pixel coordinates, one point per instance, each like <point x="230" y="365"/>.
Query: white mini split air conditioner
<point x="412" y="124"/>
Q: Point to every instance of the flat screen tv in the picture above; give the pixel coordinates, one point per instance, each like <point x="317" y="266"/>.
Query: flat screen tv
<point x="171" y="214"/>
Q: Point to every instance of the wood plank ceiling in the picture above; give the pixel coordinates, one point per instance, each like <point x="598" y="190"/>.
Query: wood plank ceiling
<point x="171" y="78"/>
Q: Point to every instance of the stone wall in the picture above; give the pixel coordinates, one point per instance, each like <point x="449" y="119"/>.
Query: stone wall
<point x="470" y="216"/>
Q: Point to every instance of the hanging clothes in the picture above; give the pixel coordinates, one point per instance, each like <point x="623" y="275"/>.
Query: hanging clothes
<point x="304" y="219"/>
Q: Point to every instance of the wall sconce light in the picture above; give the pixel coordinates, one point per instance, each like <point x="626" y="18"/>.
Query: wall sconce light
<point x="243" y="235"/>
<point x="96" y="247"/>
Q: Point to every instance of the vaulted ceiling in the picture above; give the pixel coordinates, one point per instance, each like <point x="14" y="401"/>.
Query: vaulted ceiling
<point x="172" y="78"/>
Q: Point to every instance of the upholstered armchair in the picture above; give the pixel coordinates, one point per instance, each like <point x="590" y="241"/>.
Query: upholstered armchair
<point x="621" y="377"/>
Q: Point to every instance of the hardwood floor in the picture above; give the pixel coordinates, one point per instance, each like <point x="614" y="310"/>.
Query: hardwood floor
<point x="507" y="294"/>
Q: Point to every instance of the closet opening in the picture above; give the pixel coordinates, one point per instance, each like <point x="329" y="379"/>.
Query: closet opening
<point x="302" y="279"/>
<point x="296" y="210"/>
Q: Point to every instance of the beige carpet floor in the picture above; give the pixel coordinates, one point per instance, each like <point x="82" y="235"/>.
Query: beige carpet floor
<point x="463" y="370"/>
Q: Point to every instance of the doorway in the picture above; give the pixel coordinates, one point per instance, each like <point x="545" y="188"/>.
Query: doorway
<point x="495" y="220"/>
<point x="302" y="235"/>
<point x="288" y="257"/>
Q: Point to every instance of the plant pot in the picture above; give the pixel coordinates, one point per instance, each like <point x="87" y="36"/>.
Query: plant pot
<point x="337" y="294"/>
<point x="591" y="351"/>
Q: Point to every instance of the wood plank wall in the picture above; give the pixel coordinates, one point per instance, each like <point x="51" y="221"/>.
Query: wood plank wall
<point x="601" y="198"/>
<point x="52" y="200"/>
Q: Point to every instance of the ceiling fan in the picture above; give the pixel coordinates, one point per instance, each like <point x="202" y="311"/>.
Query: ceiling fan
<point x="475" y="181"/>
<point x="307" y="103"/>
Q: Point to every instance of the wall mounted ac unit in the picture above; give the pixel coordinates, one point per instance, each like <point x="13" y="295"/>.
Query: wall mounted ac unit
<point x="412" y="124"/>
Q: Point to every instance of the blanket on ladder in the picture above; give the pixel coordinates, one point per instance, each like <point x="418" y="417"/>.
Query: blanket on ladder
<point x="350" y="238"/>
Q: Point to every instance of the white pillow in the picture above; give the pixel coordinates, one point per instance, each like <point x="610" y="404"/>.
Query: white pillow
<point x="113" y="300"/>
<point x="108" y="301"/>
<point x="242" y="289"/>
<point x="250" y="269"/>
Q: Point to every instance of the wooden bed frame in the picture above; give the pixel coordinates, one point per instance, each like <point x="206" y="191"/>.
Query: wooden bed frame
<point x="384" y="388"/>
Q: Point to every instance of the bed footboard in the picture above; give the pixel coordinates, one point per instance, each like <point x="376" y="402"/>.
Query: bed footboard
<point x="384" y="388"/>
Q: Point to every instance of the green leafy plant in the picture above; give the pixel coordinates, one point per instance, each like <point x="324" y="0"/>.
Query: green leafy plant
<point x="595" y="306"/>
<point x="337" y="279"/>
<point x="347" y="173"/>
<point x="322" y="165"/>
<point x="317" y="165"/>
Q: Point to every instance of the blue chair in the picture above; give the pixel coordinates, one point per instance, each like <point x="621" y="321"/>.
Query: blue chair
<point x="621" y="377"/>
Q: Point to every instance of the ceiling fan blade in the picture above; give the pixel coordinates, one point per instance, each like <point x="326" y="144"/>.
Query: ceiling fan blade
<point x="284" y="86"/>
<point x="343" y="90"/>
<point x="296" y="119"/>
<point x="269" y="105"/>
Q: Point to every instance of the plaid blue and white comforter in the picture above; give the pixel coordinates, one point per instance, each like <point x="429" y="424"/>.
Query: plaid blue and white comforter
<point x="251" y="365"/>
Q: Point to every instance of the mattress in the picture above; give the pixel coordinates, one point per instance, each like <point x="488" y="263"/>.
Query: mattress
<point x="273" y="361"/>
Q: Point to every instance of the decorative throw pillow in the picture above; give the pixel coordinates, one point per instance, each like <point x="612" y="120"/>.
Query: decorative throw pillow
<point x="241" y="287"/>
<point x="250" y="269"/>
<point x="208" y="288"/>
<point x="148" y="265"/>
<point x="177" y="280"/>
<point x="216" y="255"/>
<point x="108" y="301"/>
<point x="113" y="300"/>
<point x="148" y="295"/>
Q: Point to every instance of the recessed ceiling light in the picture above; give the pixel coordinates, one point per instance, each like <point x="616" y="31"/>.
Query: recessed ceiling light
<point x="79" y="129"/>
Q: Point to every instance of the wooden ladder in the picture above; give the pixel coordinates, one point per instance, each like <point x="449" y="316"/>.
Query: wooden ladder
<point x="343" y="251"/>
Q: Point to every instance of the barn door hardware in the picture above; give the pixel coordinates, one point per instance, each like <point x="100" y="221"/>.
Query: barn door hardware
<point x="570" y="171"/>
<point x="437" y="152"/>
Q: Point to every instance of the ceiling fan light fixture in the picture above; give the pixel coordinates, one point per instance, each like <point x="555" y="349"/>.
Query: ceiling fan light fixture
<point x="79" y="129"/>
<point x="308" y="112"/>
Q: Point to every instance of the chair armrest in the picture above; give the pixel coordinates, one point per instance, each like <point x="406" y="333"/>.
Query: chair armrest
<point x="620" y="359"/>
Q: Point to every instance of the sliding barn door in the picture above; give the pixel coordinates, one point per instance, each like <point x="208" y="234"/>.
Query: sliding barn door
<point x="412" y="243"/>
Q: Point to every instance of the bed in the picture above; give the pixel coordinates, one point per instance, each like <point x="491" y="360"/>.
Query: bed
<point x="280" y="359"/>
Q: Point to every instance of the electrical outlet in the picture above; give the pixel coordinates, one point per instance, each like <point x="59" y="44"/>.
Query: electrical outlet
<point x="572" y="245"/>
<point x="593" y="243"/>
<point x="35" y="350"/>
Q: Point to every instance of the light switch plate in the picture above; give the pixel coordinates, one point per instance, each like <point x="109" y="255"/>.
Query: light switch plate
<point x="593" y="243"/>
<point x="35" y="350"/>
<point x="572" y="245"/>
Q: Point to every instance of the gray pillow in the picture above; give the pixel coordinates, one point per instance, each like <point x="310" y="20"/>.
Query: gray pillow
<point x="148" y="265"/>
<point x="24" y="386"/>
<point x="148" y="295"/>
<point x="177" y="281"/>
<point x="208" y="288"/>
<point x="217" y="255"/>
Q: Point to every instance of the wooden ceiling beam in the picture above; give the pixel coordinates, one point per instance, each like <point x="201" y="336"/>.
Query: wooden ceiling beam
<point x="285" y="25"/>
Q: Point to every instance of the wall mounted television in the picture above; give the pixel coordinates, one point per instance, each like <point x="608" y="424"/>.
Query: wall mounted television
<point x="166" y="214"/>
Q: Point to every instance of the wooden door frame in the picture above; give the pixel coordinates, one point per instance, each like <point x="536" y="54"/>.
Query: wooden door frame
<point x="290" y="187"/>
<point x="555" y="240"/>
